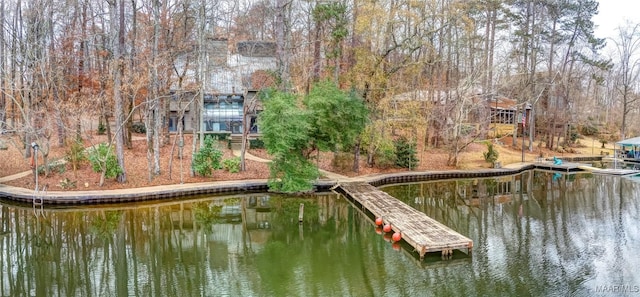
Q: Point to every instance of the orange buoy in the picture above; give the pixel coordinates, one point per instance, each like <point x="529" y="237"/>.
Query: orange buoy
<point x="386" y="228"/>
<point x="378" y="221"/>
<point x="378" y="230"/>
<point x="396" y="237"/>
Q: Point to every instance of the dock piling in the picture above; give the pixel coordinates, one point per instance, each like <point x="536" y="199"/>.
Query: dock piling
<point x="301" y="213"/>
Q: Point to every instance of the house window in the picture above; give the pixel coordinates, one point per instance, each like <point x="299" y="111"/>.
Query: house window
<point x="173" y="123"/>
<point x="223" y="114"/>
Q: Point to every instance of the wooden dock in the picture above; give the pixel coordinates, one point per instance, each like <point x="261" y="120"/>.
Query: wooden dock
<point x="423" y="233"/>
<point x="564" y="167"/>
<point x="609" y="171"/>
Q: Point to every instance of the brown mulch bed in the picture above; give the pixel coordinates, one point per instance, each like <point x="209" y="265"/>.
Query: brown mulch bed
<point x="12" y="161"/>
<point x="136" y="168"/>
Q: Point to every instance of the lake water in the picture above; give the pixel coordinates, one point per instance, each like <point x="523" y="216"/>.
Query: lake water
<point x="535" y="234"/>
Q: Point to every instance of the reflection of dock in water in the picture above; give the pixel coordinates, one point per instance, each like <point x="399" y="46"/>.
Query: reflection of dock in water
<point x="434" y="260"/>
<point x="423" y="233"/>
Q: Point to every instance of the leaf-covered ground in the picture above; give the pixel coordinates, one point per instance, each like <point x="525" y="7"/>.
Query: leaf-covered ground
<point x="12" y="161"/>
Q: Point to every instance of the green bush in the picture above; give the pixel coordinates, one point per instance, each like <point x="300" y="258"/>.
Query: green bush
<point x="589" y="130"/>
<point x="219" y="136"/>
<point x="138" y="127"/>
<point x="406" y="153"/>
<point x="256" y="143"/>
<point x="102" y="129"/>
<point x="75" y="154"/>
<point x="53" y="167"/>
<point x="491" y="155"/>
<point x="208" y="158"/>
<point x="232" y="165"/>
<point x="103" y="154"/>
<point x="292" y="174"/>
<point x="573" y="134"/>
<point x="386" y="156"/>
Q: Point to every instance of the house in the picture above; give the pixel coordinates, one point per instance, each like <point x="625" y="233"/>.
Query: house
<point x="495" y="114"/>
<point x="232" y="81"/>
<point x="504" y="113"/>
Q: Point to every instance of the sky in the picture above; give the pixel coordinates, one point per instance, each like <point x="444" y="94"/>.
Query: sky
<point x="614" y="13"/>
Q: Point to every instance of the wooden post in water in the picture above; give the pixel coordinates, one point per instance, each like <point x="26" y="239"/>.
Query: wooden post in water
<point x="301" y="213"/>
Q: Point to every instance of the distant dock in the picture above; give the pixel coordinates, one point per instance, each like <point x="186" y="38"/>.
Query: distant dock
<point x="609" y="171"/>
<point x="582" y="167"/>
<point x="564" y="167"/>
<point x="423" y="233"/>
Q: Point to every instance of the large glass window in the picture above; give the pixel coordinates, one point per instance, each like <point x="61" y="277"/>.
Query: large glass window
<point x="224" y="114"/>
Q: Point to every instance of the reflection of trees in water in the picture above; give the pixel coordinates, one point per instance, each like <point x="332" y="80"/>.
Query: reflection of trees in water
<point x="176" y="248"/>
<point x="207" y="214"/>
<point x="550" y="238"/>
<point x="543" y="239"/>
<point x="328" y="254"/>
<point x="105" y="224"/>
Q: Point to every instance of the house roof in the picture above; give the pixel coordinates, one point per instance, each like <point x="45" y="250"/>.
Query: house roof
<point x="629" y="141"/>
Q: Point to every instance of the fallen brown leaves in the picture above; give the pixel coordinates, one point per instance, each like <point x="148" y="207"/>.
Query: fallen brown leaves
<point x="12" y="162"/>
<point x="136" y="167"/>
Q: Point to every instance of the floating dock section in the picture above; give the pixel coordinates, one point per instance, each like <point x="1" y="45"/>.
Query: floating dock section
<point x="425" y="234"/>
<point x="562" y="167"/>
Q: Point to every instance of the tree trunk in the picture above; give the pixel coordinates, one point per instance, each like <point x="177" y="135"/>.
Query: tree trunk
<point x="149" y="137"/>
<point x="317" y="44"/>
<point x="118" y="74"/>
<point x="356" y="156"/>
<point x="130" y="96"/>
<point x="246" y="125"/>
<point x="157" y="113"/>
<point x="3" y="70"/>
<point x="282" y="44"/>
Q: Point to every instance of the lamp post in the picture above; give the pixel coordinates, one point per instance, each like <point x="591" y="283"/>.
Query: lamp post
<point x="35" y="157"/>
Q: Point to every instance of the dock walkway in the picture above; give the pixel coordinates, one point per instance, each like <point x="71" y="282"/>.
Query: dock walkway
<point x="609" y="171"/>
<point x="425" y="234"/>
<point x="563" y="167"/>
<point x="582" y="167"/>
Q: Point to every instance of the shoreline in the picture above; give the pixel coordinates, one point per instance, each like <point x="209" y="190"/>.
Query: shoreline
<point x="68" y="198"/>
<point x="176" y="191"/>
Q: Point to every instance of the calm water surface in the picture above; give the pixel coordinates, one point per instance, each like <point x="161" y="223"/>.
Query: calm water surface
<point x="534" y="235"/>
